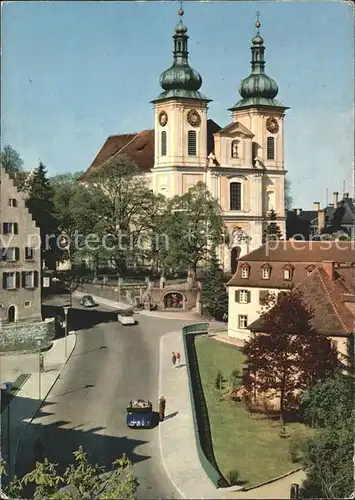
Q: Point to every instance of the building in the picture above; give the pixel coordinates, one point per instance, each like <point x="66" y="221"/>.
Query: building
<point x="338" y="216"/>
<point x="323" y="270"/>
<point x="242" y="163"/>
<point x="20" y="264"/>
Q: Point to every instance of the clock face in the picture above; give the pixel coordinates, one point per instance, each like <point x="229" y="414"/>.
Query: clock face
<point x="193" y="118"/>
<point x="272" y="125"/>
<point x="163" y="118"/>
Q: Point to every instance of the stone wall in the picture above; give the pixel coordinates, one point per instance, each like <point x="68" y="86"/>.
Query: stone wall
<point x="26" y="334"/>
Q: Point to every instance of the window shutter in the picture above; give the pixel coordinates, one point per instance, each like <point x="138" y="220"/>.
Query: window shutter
<point x="23" y="276"/>
<point x="15" y="228"/>
<point x="17" y="253"/>
<point x="35" y="279"/>
<point x="18" y="280"/>
<point x="237" y="296"/>
<point x="249" y="294"/>
<point x="4" y="276"/>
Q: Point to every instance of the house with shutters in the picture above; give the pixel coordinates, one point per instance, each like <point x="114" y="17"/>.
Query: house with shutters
<point x="20" y="252"/>
<point x="323" y="270"/>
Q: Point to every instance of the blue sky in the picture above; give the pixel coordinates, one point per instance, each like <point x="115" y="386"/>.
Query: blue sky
<point x="74" y="73"/>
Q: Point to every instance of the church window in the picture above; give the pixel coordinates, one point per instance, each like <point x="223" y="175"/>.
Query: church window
<point x="163" y="143"/>
<point x="191" y="143"/>
<point x="235" y="192"/>
<point x="270" y="148"/>
<point x="234" y="152"/>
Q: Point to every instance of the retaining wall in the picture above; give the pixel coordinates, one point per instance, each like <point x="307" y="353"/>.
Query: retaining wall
<point x="27" y="333"/>
<point x="199" y="408"/>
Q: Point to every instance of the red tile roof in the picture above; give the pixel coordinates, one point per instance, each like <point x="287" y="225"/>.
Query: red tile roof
<point x="299" y="254"/>
<point x="325" y="297"/>
<point x="139" y="147"/>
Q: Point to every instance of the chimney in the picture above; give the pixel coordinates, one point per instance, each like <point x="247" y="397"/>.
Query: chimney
<point x="316" y="206"/>
<point x="321" y="220"/>
<point x="328" y="267"/>
<point x="335" y="198"/>
<point x="298" y="211"/>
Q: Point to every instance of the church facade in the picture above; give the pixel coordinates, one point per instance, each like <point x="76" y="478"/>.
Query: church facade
<point x="242" y="163"/>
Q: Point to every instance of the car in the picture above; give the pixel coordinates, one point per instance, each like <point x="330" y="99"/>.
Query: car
<point x="88" y="301"/>
<point x="126" y="318"/>
<point x="140" y="414"/>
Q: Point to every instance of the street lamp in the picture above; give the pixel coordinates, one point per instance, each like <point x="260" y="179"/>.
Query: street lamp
<point x="66" y="310"/>
<point x="39" y="343"/>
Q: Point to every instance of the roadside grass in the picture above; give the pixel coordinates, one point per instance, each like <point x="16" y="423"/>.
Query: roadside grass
<point x="247" y="447"/>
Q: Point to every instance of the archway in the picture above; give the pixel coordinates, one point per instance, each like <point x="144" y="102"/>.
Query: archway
<point x="173" y="300"/>
<point x="235" y="253"/>
<point x="11" y="314"/>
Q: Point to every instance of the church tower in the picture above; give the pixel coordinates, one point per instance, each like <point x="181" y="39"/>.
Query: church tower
<point x="263" y="115"/>
<point x="180" y="123"/>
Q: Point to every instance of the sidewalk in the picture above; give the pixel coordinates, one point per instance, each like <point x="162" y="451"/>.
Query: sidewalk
<point x="21" y="410"/>
<point x="176" y="434"/>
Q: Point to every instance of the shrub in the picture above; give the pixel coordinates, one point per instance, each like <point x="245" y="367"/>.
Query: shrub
<point x="233" y="477"/>
<point x="219" y="380"/>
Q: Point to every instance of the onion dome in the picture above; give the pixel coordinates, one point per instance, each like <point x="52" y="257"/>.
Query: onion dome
<point x="258" y="89"/>
<point x="180" y="80"/>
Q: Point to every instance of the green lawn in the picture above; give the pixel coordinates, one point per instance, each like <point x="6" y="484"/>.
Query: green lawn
<point x="246" y="445"/>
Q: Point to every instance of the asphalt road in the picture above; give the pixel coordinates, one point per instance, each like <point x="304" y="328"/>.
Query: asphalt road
<point x="111" y="365"/>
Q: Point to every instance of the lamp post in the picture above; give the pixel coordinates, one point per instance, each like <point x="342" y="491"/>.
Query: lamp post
<point x="39" y="343"/>
<point x="66" y="310"/>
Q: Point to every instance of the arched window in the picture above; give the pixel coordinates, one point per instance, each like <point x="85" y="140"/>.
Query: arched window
<point x="191" y="143"/>
<point x="234" y="149"/>
<point x="235" y="195"/>
<point x="163" y="143"/>
<point x="270" y="148"/>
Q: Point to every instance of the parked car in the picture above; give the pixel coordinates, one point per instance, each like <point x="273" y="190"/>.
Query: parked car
<point x="88" y="301"/>
<point x="140" y="414"/>
<point x="126" y="318"/>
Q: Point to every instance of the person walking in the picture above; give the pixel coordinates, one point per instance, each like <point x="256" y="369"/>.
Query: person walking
<point x="178" y="359"/>
<point x="173" y="359"/>
<point x="162" y="405"/>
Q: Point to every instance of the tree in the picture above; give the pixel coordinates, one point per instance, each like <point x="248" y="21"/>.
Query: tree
<point x="330" y="402"/>
<point x="328" y="462"/>
<point x="41" y="206"/>
<point x="80" y="480"/>
<point x="194" y="227"/>
<point x="285" y="353"/>
<point x="272" y="230"/>
<point x="66" y="178"/>
<point x="124" y="211"/>
<point x="11" y="161"/>
<point x="214" y="292"/>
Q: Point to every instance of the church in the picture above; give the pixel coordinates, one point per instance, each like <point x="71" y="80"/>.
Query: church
<point x="242" y="163"/>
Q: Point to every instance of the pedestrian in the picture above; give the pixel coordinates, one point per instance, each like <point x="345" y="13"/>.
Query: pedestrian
<point x="173" y="359"/>
<point x="178" y="358"/>
<point x="162" y="405"/>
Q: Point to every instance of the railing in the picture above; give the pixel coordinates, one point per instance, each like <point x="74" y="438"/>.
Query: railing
<point x="199" y="408"/>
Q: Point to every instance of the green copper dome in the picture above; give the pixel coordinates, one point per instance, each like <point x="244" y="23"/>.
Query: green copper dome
<point x="258" y="89"/>
<point x="180" y="80"/>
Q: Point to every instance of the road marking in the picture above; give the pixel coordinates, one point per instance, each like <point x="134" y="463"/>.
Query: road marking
<point x="159" y="432"/>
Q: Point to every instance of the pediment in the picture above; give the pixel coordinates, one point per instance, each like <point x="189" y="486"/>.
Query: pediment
<point x="235" y="129"/>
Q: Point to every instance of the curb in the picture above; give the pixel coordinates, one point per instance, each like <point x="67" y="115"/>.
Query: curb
<point x="159" y="431"/>
<point x="273" y="480"/>
<point x="12" y="466"/>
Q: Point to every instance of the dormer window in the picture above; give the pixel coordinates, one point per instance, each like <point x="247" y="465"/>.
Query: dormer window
<point x="265" y="272"/>
<point x="288" y="272"/>
<point x="245" y="271"/>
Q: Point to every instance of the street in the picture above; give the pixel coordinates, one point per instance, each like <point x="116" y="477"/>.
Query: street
<point x="111" y="365"/>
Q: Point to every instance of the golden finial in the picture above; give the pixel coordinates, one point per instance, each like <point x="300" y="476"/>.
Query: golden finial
<point x="180" y="11"/>
<point x="257" y="22"/>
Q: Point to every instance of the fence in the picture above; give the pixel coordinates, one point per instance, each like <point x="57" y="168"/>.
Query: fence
<point x="199" y="408"/>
